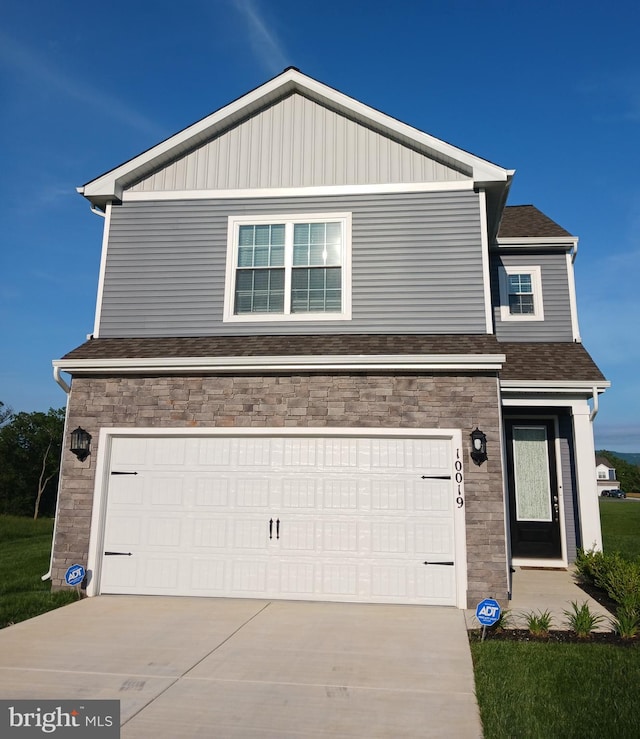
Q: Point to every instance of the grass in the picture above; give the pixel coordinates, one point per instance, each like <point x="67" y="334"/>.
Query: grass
<point x="621" y="527"/>
<point x="529" y="689"/>
<point x="25" y="547"/>
<point x="536" y="689"/>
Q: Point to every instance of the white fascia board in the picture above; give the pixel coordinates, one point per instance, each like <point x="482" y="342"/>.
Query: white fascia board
<point x="564" y="242"/>
<point x="109" y="185"/>
<point x="554" y="386"/>
<point x="285" y="192"/>
<point x="168" y="365"/>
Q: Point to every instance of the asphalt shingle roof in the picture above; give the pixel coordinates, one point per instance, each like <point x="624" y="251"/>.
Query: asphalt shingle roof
<point x="526" y="221"/>
<point x="525" y="360"/>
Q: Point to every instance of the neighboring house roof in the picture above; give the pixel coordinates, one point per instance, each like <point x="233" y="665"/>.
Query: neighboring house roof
<point x="604" y="461"/>
<point x="526" y="221"/>
<point x="525" y="361"/>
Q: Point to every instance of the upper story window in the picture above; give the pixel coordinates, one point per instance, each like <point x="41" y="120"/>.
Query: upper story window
<point x="289" y="268"/>
<point x="521" y="294"/>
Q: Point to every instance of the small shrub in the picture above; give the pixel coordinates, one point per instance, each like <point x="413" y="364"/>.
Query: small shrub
<point x="620" y="579"/>
<point x="538" y="623"/>
<point x="503" y="622"/>
<point x="590" y="565"/>
<point x="581" y="620"/>
<point x="627" y="623"/>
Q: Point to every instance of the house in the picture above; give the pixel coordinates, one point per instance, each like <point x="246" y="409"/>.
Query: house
<point x="606" y="475"/>
<point x="328" y="363"/>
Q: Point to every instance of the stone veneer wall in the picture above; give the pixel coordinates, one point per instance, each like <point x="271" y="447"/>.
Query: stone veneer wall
<point x="463" y="401"/>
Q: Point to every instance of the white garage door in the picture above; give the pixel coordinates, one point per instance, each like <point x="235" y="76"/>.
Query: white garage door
<point x="309" y="518"/>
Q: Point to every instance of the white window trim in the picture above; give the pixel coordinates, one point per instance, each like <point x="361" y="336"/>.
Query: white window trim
<point x="233" y="226"/>
<point x="536" y="284"/>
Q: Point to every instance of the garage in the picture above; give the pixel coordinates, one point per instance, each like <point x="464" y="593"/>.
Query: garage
<point x="373" y="517"/>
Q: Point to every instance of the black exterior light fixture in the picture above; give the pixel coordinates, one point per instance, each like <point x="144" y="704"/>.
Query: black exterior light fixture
<point x="80" y="443"/>
<point x="478" y="446"/>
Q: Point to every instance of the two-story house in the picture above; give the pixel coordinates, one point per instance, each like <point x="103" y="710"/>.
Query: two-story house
<point x="328" y="363"/>
<point x="606" y="475"/>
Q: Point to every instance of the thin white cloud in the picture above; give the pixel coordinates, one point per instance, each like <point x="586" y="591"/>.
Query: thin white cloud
<point x="264" y="41"/>
<point x="44" y="73"/>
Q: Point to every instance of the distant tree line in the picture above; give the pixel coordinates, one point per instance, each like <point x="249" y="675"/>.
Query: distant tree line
<point x="30" y="451"/>
<point x="628" y="474"/>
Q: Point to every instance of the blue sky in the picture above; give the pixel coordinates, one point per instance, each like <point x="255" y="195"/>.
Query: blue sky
<point x="551" y="89"/>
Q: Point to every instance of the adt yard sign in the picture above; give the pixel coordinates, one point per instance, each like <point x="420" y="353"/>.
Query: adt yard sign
<point x="74" y="575"/>
<point x="488" y="611"/>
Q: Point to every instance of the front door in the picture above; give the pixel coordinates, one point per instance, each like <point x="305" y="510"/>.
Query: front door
<point x="534" y="504"/>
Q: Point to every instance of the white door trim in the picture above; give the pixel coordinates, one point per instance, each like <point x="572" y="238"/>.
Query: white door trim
<point x="98" y="515"/>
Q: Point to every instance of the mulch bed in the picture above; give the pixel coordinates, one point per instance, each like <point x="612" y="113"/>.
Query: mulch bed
<point x="559" y="637"/>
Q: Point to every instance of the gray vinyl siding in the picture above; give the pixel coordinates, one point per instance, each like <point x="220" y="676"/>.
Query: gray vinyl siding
<point x="569" y="492"/>
<point x="416" y="266"/>
<point x="556" y="325"/>
<point x="297" y="143"/>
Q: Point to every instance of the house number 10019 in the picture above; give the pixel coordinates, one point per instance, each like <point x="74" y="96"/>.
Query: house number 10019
<point x="458" y="478"/>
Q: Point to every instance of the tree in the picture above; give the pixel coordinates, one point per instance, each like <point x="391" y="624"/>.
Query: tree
<point x="30" y="451"/>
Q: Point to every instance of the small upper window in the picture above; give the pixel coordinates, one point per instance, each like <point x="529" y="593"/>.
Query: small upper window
<point x="289" y="268"/>
<point x="521" y="294"/>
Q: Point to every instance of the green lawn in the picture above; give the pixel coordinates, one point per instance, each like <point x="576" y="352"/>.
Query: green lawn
<point x="25" y="547"/>
<point x="529" y="689"/>
<point x="621" y="526"/>
<point x="541" y="690"/>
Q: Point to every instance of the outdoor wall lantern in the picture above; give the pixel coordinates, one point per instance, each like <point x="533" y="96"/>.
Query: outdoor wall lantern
<point x="478" y="446"/>
<point x="80" y="443"/>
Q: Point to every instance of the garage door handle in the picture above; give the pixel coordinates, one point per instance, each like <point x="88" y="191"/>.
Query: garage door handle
<point x="448" y="564"/>
<point x="278" y="529"/>
<point x="118" y="554"/>
<point x="271" y="528"/>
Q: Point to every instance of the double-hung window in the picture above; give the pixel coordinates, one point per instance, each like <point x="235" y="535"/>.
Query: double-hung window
<point x="521" y="294"/>
<point x="294" y="267"/>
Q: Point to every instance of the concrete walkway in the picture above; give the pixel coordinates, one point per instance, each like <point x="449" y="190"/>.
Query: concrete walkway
<point x="200" y="667"/>
<point x="545" y="590"/>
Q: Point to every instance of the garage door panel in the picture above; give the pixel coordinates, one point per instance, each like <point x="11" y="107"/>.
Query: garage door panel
<point x="210" y="533"/>
<point x="351" y="518"/>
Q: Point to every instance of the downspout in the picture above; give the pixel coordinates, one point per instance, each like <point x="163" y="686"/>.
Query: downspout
<point x="95" y="210"/>
<point x="594" y="411"/>
<point x="67" y="389"/>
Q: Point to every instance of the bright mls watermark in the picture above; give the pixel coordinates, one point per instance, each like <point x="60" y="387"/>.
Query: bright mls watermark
<point x="25" y="719"/>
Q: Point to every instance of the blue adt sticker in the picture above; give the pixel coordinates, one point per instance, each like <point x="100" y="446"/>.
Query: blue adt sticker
<point x="74" y="575"/>
<point x="488" y="611"/>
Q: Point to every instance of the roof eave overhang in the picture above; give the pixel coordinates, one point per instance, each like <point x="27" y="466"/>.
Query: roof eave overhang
<point x="554" y="387"/>
<point x="110" y="186"/>
<point x="180" y="365"/>
<point x="548" y="242"/>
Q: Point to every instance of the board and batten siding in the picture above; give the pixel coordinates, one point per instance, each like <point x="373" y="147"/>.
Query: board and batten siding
<point x="416" y="265"/>
<point x="556" y="325"/>
<point x="297" y="142"/>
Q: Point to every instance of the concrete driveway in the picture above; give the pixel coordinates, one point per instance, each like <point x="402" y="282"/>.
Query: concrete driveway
<point x="201" y="667"/>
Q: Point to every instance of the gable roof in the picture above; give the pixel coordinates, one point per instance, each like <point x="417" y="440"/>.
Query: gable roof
<point x="526" y="221"/>
<point x="604" y="461"/>
<point x="110" y="185"/>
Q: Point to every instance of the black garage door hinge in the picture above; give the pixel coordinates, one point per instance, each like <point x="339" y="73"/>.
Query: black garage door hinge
<point x="118" y="554"/>
<point x="435" y="477"/>
<point x="115" y="472"/>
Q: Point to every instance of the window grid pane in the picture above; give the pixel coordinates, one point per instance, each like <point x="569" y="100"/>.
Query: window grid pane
<point x="316" y="289"/>
<point x="259" y="291"/>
